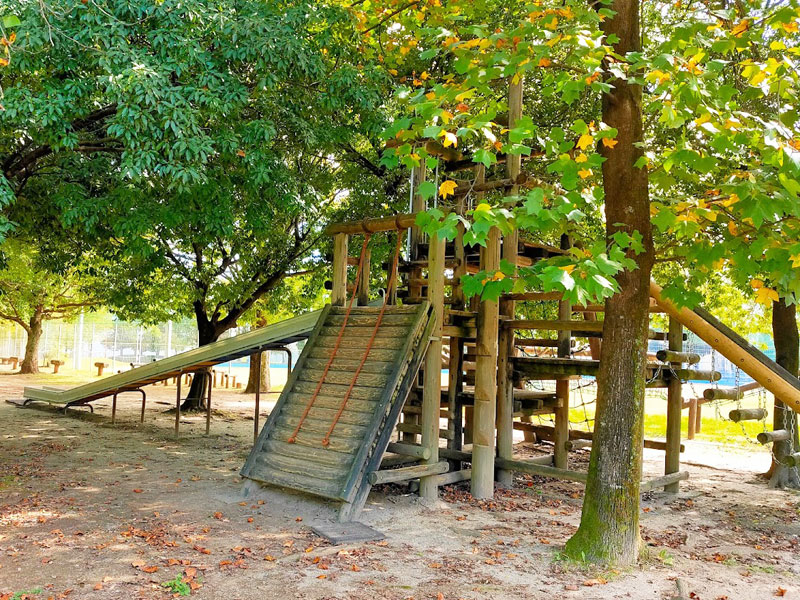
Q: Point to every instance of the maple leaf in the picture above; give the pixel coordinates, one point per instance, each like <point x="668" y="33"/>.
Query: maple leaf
<point x="544" y="62"/>
<point x="584" y="173"/>
<point x="585" y="141"/>
<point x="450" y="139"/>
<point x="447" y="188"/>
<point x="766" y="296"/>
<point x="609" y="142"/>
<point x="741" y="27"/>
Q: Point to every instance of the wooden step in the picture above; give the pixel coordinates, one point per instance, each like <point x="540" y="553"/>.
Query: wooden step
<point x="313" y="439"/>
<point x="349" y="365"/>
<point x="337" y="391"/>
<point x="395" y="309"/>
<point x="305" y="467"/>
<point x="314" y="424"/>
<point x="395" y="320"/>
<point x="359" y="331"/>
<point x="349" y="416"/>
<point x="318" y="455"/>
<point x="323" y="402"/>
<point x="381" y="343"/>
<point x="345" y="378"/>
<point x="375" y="354"/>
<point x="268" y="474"/>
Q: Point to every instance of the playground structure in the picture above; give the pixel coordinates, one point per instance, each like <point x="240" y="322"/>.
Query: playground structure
<point x="370" y="374"/>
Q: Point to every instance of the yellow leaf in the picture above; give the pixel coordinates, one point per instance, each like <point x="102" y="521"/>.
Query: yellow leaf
<point x="739" y="29"/>
<point x="756" y="284"/>
<point x="795" y="261"/>
<point x="585" y="141"/>
<point x="450" y="139"/>
<point x="584" y="173"/>
<point x="447" y="188"/>
<point x="498" y="276"/>
<point x="704" y="118"/>
<point x="516" y="79"/>
<point x="424" y="75"/>
<point x="581" y="158"/>
<point x="732" y="199"/>
<point x="568" y="268"/>
<point x="431" y="95"/>
<point x="544" y="62"/>
<point x="766" y="296"/>
<point x="609" y="142"/>
<point x="393" y="72"/>
<point x="732" y="228"/>
<point x="446" y="116"/>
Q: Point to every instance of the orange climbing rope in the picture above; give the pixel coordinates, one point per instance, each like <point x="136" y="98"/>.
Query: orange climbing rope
<point x="392" y="280"/>
<point x="293" y="438"/>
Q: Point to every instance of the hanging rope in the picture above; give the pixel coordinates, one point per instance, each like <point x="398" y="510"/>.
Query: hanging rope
<point x="293" y="438"/>
<point x="392" y="277"/>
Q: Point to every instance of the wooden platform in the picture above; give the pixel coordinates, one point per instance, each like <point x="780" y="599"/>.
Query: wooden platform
<point x="339" y="471"/>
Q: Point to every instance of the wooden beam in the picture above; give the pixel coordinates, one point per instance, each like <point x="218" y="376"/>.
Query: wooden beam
<point x="339" y="288"/>
<point x="406" y="473"/>
<point x="409" y="450"/>
<point x="431" y="394"/>
<point x="672" y="457"/>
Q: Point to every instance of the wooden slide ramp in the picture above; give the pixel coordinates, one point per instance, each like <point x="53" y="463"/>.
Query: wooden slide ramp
<point x="784" y="385"/>
<point x="339" y="471"/>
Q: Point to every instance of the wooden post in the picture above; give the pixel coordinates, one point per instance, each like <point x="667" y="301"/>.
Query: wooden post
<point x="672" y="458"/>
<point x="698" y="417"/>
<point x="363" y="282"/>
<point x="432" y="390"/>
<point x="561" y="416"/>
<point x="417" y="205"/>
<point x="114" y="408"/>
<point x="505" y="379"/>
<point x="455" y="375"/>
<point x="339" y="276"/>
<point x="483" y="444"/>
<point x="692" y="419"/>
<point x="178" y="405"/>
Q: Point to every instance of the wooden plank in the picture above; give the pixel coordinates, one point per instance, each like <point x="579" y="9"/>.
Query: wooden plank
<point x="375" y="354"/>
<point x="313" y="424"/>
<point x="560" y="325"/>
<point x="360" y="343"/>
<point x="535" y="367"/>
<point x="303" y="466"/>
<point x="339" y="270"/>
<point x="672" y="457"/>
<point x="313" y="439"/>
<point x="404" y="319"/>
<point x="533" y="468"/>
<point x="667" y="482"/>
<point x="300" y="399"/>
<point x="345" y="364"/>
<point x="312" y="485"/>
<point x="345" y="378"/>
<point x="364" y="331"/>
<point x="396" y="309"/>
<point x="327" y="413"/>
<point x="337" y="391"/>
<point x="412" y="428"/>
<point x="318" y="455"/>
<point x="409" y="450"/>
<point x="407" y="473"/>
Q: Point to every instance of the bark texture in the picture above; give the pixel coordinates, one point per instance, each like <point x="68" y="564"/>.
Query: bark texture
<point x="787" y="355"/>
<point x="609" y="529"/>
<point x="30" y="362"/>
<point x="253" y="374"/>
<point x="196" y="398"/>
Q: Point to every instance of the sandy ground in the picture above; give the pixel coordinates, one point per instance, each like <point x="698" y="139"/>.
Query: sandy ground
<point x="92" y="511"/>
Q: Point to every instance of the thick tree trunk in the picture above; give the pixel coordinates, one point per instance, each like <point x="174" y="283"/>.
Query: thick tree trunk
<point x="196" y="398"/>
<point x="30" y="363"/>
<point x="253" y="375"/>
<point x="609" y="529"/>
<point x="787" y="355"/>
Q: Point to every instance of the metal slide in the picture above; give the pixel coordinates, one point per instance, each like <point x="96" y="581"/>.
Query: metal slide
<point x="264" y="338"/>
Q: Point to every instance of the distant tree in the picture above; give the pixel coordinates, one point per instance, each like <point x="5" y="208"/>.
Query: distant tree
<point x="198" y="147"/>
<point x="31" y="294"/>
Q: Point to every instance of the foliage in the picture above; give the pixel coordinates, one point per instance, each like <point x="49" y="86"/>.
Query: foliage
<point x="722" y="143"/>
<point x="197" y="147"/>
<point x="31" y="292"/>
<point x="178" y="586"/>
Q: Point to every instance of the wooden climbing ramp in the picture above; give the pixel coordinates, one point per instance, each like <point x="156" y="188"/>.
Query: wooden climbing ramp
<point x="333" y="420"/>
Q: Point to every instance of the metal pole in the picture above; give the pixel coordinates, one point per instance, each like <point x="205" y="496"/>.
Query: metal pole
<point x="178" y="405"/>
<point x="258" y="396"/>
<point x="207" y="380"/>
<point x="114" y="408"/>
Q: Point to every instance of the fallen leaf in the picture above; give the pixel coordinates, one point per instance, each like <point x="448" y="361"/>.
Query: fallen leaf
<point x="780" y="591"/>
<point x="137" y="491"/>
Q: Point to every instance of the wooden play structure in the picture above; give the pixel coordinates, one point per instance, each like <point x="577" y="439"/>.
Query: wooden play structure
<point x="368" y="376"/>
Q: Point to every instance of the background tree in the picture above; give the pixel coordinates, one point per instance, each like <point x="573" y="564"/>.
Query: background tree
<point x="31" y="293"/>
<point x="201" y="151"/>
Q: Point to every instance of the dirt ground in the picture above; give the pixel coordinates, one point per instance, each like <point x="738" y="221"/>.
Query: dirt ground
<point x="90" y="510"/>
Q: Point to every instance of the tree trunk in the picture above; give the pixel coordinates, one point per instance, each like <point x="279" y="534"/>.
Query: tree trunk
<point x="252" y="376"/>
<point x="196" y="398"/>
<point x="609" y="529"/>
<point x="30" y="363"/>
<point x="787" y="355"/>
